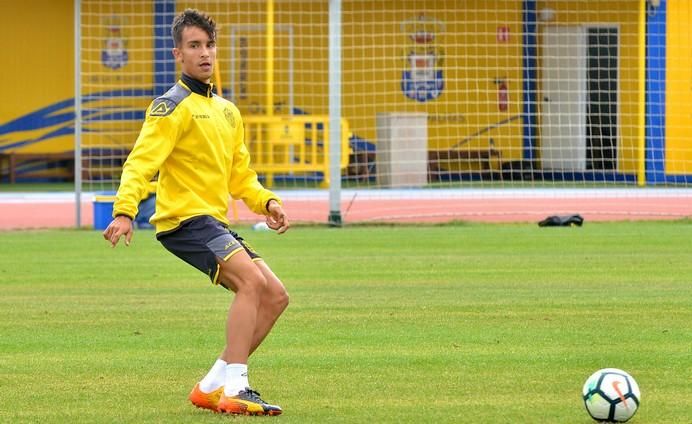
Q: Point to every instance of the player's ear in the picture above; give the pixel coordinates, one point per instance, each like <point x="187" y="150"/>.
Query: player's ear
<point x="177" y="54"/>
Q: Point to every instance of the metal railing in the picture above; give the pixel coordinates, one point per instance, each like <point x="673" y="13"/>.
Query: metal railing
<point x="292" y="145"/>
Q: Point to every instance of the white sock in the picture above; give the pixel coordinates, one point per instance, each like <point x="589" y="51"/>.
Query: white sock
<point x="236" y="379"/>
<point x="215" y="378"/>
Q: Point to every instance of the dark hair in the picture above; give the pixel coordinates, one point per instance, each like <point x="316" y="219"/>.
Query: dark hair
<point x="192" y="17"/>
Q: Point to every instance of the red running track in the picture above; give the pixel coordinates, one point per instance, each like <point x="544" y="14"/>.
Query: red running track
<point x="25" y="212"/>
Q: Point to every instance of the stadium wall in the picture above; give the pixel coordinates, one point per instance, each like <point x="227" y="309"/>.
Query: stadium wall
<point x="38" y="114"/>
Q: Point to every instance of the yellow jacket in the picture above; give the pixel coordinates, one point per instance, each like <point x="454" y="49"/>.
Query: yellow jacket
<point x="195" y="140"/>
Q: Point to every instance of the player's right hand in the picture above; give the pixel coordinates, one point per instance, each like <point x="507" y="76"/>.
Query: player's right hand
<point x="277" y="219"/>
<point x="120" y="226"/>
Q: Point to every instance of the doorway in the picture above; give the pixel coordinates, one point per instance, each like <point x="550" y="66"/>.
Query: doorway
<point x="579" y="108"/>
<point x="602" y="107"/>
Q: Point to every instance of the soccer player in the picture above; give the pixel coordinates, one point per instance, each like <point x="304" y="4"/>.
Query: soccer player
<point x="194" y="139"/>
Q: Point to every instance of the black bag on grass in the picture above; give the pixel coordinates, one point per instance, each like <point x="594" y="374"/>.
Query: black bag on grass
<point x="562" y="221"/>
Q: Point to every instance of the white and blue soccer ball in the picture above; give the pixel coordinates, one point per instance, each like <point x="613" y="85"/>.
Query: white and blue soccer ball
<point x="611" y="395"/>
<point x="260" y="226"/>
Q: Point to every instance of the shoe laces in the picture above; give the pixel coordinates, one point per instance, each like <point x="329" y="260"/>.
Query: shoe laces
<point x="253" y="395"/>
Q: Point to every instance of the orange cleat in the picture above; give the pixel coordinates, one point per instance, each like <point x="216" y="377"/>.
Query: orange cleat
<point x="205" y="400"/>
<point x="247" y="402"/>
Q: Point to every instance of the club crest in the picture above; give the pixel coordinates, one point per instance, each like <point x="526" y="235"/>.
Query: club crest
<point x="114" y="54"/>
<point x="229" y="117"/>
<point x="422" y="78"/>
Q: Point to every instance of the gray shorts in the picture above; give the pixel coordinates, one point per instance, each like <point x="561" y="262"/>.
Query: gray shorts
<point x="200" y="240"/>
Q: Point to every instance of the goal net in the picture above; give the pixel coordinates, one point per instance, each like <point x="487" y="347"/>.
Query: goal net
<point x="450" y="109"/>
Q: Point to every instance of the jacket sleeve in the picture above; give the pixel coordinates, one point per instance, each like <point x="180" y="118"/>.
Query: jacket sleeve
<point x="243" y="183"/>
<point x="155" y="142"/>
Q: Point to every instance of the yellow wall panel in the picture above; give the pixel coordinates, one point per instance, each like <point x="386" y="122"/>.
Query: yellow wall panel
<point x="470" y="58"/>
<point x="678" y="89"/>
<point x="38" y="71"/>
<point x="117" y="55"/>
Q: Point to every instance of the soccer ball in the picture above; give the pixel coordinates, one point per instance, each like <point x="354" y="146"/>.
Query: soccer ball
<point x="260" y="226"/>
<point x="611" y="395"/>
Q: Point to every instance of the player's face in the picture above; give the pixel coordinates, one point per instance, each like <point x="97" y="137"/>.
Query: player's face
<point x="196" y="54"/>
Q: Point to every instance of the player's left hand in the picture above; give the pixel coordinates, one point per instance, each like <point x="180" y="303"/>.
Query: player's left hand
<point x="277" y="219"/>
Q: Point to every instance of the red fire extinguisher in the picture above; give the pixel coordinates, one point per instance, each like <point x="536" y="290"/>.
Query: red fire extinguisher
<point x="502" y="96"/>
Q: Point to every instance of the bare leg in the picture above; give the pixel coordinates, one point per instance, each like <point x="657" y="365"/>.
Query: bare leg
<point x="273" y="301"/>
<point x="242" y="276"/>
<point x="250" y="312"/>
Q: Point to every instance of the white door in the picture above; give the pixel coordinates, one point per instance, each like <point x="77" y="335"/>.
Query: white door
<point x="563" y="111"/>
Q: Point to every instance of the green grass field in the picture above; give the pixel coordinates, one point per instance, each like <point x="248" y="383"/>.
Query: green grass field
<point x="457" y="323"/>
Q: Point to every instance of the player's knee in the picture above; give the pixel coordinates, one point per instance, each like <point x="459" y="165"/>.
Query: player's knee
<point x="281" y="300"/>
<point x="250" y="283"/>
<point x="253" y="283"/>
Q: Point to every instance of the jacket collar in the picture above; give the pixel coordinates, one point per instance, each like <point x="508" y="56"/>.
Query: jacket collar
<point x="197" y="86"/>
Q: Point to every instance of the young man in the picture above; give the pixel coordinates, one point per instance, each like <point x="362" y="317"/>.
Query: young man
<point x="194" y="139"/>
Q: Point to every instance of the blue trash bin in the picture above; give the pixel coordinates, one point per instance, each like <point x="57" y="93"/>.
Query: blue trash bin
<point x="103" y="210"/>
